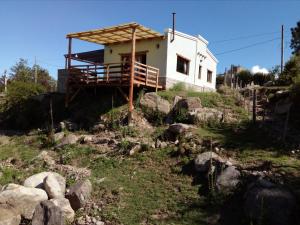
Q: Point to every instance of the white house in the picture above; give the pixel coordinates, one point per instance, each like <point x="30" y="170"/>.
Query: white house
<point x="161" y="60"/>
<point x="186" y="59"/>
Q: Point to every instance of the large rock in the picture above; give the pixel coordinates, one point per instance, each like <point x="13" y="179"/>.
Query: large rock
<point x="53" y="187"/>
<point x="154" y="102"/>
<point x="69" y="140"/>
<point x="58" y="136"/>
<point x="190" y="104"/>
<point x="47" y="213"/>
<point x="206" y="114"/>
<point x="37" y="180"/>
<point x="228" y="180"/>
<point x="8" y="215"/>
<point x="178" y="128"/>
<point x="79" y="193"/>
<point x="23" y="199"/>
<point x="64" y="205"/>
<point x="202" y="161"/>
<point x="267" y="203"/>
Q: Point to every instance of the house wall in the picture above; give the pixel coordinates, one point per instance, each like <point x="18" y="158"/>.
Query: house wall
<point x="194" y="49"/>
<point x="155" y="56"/>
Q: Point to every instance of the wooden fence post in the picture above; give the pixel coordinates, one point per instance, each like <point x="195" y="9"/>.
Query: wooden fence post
<point x="254" y="106"/>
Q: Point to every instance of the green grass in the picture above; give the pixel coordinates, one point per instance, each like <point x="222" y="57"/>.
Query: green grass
<point x="146" y="189"/>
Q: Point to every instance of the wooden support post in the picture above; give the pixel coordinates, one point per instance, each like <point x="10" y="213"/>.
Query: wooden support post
<point x="68" y="74"/>
<point x="254" y="106"/>
<point x="146" y="75"/>
<point x="132" y="68"/>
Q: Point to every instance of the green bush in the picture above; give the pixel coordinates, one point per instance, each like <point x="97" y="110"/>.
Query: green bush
<point x="18" y="92"/>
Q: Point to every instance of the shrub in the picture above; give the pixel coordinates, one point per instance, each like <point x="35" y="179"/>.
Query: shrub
<point x="18" y="92"/>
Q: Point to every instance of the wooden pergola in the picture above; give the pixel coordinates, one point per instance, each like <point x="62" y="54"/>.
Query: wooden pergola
<point x="129" y="32"/>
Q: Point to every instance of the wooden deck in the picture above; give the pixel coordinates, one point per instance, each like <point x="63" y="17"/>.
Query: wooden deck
<point x="113" y="74"/>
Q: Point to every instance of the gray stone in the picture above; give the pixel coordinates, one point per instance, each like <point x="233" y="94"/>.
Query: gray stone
<point x="53" y="187"/>
<point x="154" y="102"/>
<point x="37" y="180"/>
<point x="64" y="205"/>
<point x="58" y="136"/>
<point x="8" y="215"/>
<point x="4" y="140"/>
<point x="68" y="140"/>
<point x="23" y="199"/>
<point x="47" y="213"/>
<point x="228" y="180"/>
<point x="178" y="128"/>
<point x="79" y="193"/>
<point x="44" y="156"/>
<point x="202" y="161"/>
<point x="267" y="202"/>
<point x="190" y="104"/>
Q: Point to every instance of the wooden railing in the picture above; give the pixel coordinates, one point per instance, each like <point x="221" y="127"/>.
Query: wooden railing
<point x="113" y="73"/>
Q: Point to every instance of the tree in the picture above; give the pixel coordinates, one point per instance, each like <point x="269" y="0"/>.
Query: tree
<point x="261" y="78"/>
<point x="22" y="72"/>
<point x="245" y="76"/>
<point x="291" y="71"/>
<point x="295" y="42"/>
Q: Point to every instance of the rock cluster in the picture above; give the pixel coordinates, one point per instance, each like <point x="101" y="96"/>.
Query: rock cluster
<point x="42" y="199"/>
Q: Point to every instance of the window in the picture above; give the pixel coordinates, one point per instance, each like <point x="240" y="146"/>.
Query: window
<point x="209" y="76"/>
<point x="182" y="65"/>
<point x="199" y="72"/>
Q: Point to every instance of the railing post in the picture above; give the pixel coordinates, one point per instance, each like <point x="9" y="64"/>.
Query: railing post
<point x="146" y="75"/>
<point x="107" y="73"/>
<point x="157" y="75"/>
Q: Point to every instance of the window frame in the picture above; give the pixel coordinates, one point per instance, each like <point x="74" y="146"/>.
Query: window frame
<point x="199" y="72"/>
<point x="209" y="72"/>
<point x="186" y="60"/>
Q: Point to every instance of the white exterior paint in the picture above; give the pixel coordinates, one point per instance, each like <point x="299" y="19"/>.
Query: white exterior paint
<point x="162" y="53"/>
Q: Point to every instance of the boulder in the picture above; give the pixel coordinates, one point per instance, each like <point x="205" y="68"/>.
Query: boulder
<point x="79" y="193"/>
<point x="23" y="199"/>
<point x="178" y="128"/>
<point x="53" y="187"/>
<point x="64" y="205"/>
<point x="47" y="213"/>
<point x="4" y="140"/>
<point x="267" y="203"/>
<point x="68" y="140"/>
<point x="37" y="180"/>
<point x="190" y="104"/>
<point x="8" y="215"/>
<point x="202" y="161"/>
<point x="154" y="102"/>
<point x="228" y="180"/>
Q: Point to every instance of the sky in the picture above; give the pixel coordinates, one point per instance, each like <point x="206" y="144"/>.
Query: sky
<point x="245" y="32"/>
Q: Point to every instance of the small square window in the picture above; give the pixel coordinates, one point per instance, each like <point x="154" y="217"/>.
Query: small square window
<point x="199" y="72"/>
<point x="182" y="65"/>
<point x="209" y="76"/>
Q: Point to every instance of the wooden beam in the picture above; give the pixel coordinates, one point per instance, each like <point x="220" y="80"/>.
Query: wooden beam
<point x="132" y="74"/>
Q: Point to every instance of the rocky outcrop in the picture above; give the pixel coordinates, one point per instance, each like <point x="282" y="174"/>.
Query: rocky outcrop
<point x="37" y="180"/>
<point x="153" y="102"/>
<point x="79" y="193"/>
<point x="23" y="199"/>
<point x="189" y="104"/>
<point x="267" y="202"/>
<point x="68" y="140"/>
<point x="47" y="213"/>
<point x="8" y="215"/>
<point x="179" y="128"/>
<point x="64" y="205"/>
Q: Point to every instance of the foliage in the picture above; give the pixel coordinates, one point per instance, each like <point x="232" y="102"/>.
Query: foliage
<point x="220" y="79"/>
<point x="261" y="78"/>
<point x="24" y="73"/>
<point x="180" y="86"/>
<point x="295" y="42"/>
<point x="291" y="71"/>
<point x="245" y="76"/>
<point x="19" y="91"/>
